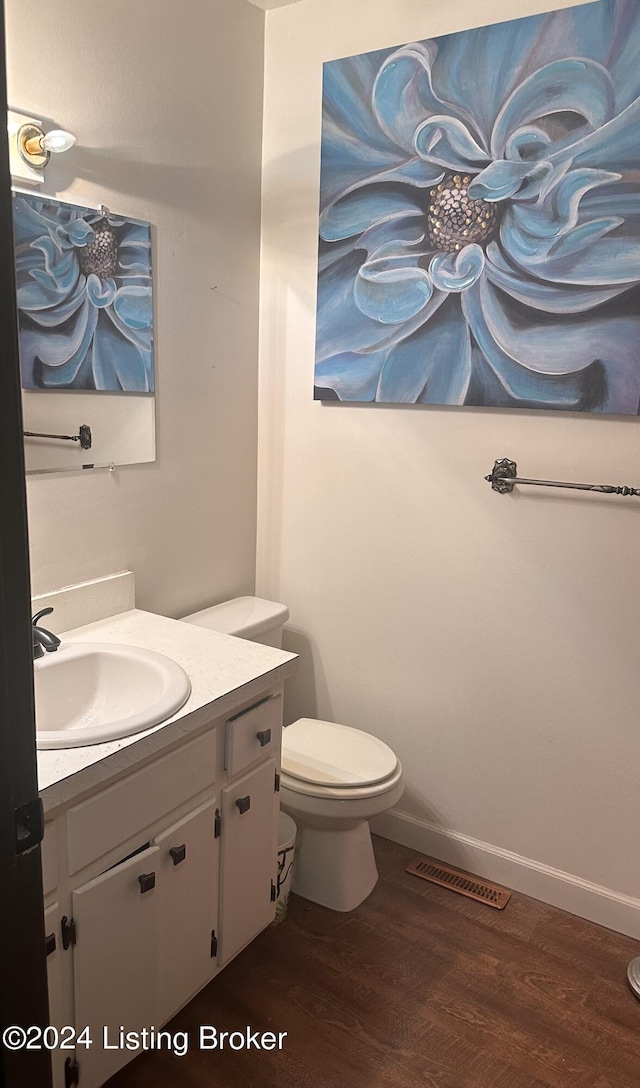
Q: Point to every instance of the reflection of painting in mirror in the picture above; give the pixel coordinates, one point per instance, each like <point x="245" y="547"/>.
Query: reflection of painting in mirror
<point x="85" y="307"/>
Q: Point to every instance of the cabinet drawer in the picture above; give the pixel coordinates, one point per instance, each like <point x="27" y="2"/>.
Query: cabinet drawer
<point x="253" y="733"/>
<point x="122" y="810"/>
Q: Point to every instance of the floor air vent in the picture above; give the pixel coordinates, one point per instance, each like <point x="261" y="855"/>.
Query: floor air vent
<point x="472" y="887"/>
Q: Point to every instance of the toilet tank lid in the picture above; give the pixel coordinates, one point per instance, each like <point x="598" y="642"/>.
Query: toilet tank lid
<point x="245" y="617"/>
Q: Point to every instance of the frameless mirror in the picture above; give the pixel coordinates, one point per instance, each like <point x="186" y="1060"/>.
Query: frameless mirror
<point x="85" y="317"/>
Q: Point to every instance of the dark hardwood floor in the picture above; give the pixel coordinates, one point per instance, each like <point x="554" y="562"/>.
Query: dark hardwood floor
<point x="418" y="988"/>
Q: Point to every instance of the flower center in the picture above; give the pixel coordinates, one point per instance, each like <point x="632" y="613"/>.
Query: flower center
<point x="455" y="220"/>
<point x="100" y="257"/>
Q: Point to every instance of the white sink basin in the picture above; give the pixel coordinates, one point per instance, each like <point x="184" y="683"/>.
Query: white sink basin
<point x="91" y="692"/>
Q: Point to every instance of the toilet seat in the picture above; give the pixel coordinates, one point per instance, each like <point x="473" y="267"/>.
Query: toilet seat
<point x="321" y="758"/>
<point x="344" y="794"/>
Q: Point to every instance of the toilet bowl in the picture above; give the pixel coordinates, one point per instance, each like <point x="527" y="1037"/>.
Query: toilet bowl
<point x="334" y="778"/>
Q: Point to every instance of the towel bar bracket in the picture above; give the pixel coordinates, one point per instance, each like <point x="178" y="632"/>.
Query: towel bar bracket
<point x="502" y="475"/>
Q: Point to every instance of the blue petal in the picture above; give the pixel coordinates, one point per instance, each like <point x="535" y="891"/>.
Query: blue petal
<point x="554" y="346"/>
<point x="566" y="198"/>
<point x="434" y="365"/>
<point x="353" y="146"/>
<point x="118" y="364"/>
<point x="527" y="354"/>
<point x="447" y="141"/>
<point x="29" y="221"/>
<point x="583" y="236"/>
<point x="134" y="259"/>
<point x="358" y="211"/>
<point x="39" y="292"/>
<point x="549" y="297"/>
<point x="572" y="85"/>
<point x="555" y="227"/>
<point x="134" y="306"/>
<point x="340" y="178"/>
<point x="529" y="387"/>
<point x="60" y="309"/>
<point x="61" y="353"/>
<point x="504" y="179"/>
<point x="479" y="68"/>
<point x="527" y="144"/>
<point x="340" y="324"/>
<point x="403" y="95"/>
<point x="347" y="91"/>
<point x="134" y="247"/>
<point x="100" y="293"/>
<point x="61" y="268"/>
<point x="134" y="233"/>
<point x="352" y="376"/>
<point x="457" y="271"/>
<point x="80" y="233"/>
<point x="622" y="56"/>
<point x="614" y="144"/>
<point x="602" y="261"/>
<point x="391" y="293"/>
<point x="616" y="200"/>
<point x="141" y="338"/>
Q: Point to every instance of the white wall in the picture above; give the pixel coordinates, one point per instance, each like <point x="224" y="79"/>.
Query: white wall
<point x="166" y="101"/>
<point x="493" y="641"/>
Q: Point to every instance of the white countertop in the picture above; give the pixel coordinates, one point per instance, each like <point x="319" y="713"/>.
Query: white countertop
<point x="223" y="671"/>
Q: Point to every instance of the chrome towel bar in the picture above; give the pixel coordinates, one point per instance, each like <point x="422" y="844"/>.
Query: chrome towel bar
<point x="503" y="478"/>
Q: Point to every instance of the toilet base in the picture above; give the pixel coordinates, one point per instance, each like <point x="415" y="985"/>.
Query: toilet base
<point x="334" y="868"/>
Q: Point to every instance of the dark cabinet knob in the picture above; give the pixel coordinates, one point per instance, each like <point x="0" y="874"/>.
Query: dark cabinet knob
<point x="243" y="803"/>
<point x="264" y="736"/>
<point x="147" y="881"/>
<point x="178" y="853"/>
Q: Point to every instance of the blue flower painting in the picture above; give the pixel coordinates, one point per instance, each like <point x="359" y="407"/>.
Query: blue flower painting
<point x="85" y="307"/>
<point x="480" y="217"/>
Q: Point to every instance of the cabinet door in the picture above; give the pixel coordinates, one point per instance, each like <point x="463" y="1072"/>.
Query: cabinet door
<point x="59" y="1008"/>
<point x="115" y="960"/>
<point x="249" y="847"/>
<point x="188" y="882"/>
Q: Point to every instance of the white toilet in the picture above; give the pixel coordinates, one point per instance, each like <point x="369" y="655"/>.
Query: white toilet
<point x="334" y="778"/>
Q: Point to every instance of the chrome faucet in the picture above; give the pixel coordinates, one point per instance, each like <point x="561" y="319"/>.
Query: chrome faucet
<point x="41" y="638"/>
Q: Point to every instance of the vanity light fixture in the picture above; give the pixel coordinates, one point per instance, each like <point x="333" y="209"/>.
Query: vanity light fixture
<point x="30" y="147"/>
<point x="35" y="146"/>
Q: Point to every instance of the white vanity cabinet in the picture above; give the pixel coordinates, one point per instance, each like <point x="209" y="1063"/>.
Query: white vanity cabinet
<point x="188" y="876"/>
<point x="161" y="877"/>
<point x="115" y="959"/>
<point x="247" y="890"/>
<point x="60" y="1007"/>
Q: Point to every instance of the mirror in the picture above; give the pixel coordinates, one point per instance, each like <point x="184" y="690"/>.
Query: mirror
<point x="85" y="317"/>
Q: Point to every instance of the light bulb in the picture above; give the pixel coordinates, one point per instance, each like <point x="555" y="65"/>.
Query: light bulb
<point x="57" y="141"/>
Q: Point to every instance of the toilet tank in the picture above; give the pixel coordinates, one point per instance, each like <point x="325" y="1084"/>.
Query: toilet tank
<point x="246" y="617"/>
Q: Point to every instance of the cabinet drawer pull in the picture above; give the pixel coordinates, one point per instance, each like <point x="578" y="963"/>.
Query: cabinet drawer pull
<point x="147" y="881"/>
<point x="264" y="736"/>
<point x="178" y="853"/>
<point x="50" y="943"/>
<point x="244" y="803"/>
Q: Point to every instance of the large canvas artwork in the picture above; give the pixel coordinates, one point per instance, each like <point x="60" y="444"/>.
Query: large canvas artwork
<point x="480" y="217"/>
<point x="85" y="306"/>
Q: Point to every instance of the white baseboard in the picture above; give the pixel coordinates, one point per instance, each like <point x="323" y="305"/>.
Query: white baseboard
<point x="598" y="904"/>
